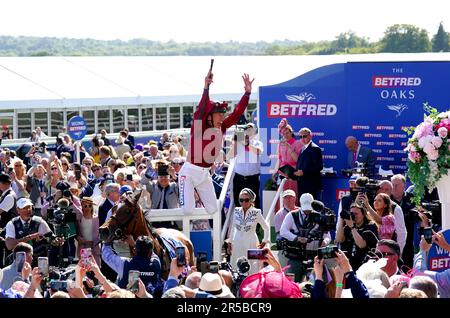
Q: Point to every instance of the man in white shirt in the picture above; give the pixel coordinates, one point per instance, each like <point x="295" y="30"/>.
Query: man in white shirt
<point x="26" y="228"/>
<point x="289" y="199"/>
<point x="296" y="229"/>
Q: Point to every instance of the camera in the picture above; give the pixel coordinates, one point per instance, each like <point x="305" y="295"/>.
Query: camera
<point x="366" y="185"/>
<point x="327" y="252"/>
<point x="434" y="211"/>
<point x="323" y="216"/>
<point x="58" y="285"/>
<point x="346" y="215"/>
<point x="63" y="220"/>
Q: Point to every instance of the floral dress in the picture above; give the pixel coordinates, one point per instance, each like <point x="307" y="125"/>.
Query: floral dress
<point x="387" y="228"/>
<point x="243" y="236"/>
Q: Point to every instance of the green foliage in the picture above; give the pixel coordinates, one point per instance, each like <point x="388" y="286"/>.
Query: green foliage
<point x="398" y="38"/>
<point x="405" y="38"/>
<point x="440" y="40"/>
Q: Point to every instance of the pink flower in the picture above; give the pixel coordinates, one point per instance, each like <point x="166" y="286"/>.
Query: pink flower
<point x="433" y="155"/>
<point x="437" y="142"/>
<point x="442" y="132"/>
<point x="429" y="148"/>
<point x="444" y="123"/>
<point x="424" y="129"/>
<point x="423" y="141"/>
<point x="414" y="156"/>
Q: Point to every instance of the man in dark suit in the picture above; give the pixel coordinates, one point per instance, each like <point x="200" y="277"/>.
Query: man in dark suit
<point x="112" y="197"/>
<point x="361" y="154"/>
<point x="309" y="165"/>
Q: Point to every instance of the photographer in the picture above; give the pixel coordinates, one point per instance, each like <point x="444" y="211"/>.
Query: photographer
<point x="303" y="235"/>
<point x="247" y="149"/>
<point x="356" y="233"/>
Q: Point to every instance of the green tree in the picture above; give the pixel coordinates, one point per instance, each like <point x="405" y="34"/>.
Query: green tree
<point x="440" y="40"/>
<point x="405" y="38"/>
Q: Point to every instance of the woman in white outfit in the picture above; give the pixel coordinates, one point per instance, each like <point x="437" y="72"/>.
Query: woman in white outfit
<point x="243" y="236"/>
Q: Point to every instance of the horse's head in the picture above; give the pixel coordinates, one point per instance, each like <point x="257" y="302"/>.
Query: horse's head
<point x="124" y="219"/>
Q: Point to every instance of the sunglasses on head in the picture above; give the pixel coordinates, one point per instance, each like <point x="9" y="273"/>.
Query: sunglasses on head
<point x="244" y="200"/>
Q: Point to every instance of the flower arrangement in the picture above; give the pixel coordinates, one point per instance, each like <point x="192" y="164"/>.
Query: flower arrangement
<point x="428" y="151"/>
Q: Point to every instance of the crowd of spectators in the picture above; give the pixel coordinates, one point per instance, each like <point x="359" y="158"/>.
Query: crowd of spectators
<point x="381" y="251"/>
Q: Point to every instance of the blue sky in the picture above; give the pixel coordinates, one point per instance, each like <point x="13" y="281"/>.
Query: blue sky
<point x="202" y="20"/>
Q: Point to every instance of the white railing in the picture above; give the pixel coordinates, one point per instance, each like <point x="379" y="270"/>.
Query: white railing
<point x="269" y="214"/>
<point x="158" y="215"/>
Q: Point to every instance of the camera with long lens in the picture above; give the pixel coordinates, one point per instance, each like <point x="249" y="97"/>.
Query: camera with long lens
<point x="432" y="210"/>
<point x="367" y="186"/>
<point x="347" y="215"/>
<point x="238" y="274"/>
<point x="323" y="216"/>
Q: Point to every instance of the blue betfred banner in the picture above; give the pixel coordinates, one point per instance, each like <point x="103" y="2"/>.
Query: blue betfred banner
<point x="372" y="101"/>
<point x="439" y="258"/>
<point x="77" y="128"/>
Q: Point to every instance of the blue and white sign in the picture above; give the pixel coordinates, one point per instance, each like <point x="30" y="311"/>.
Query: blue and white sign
<point x="77" y="128"/>
<point x="439" y="258"/>
<point x="372" y="101"/>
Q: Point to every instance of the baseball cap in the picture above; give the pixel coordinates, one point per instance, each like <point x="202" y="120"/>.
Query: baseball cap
<point x="125" y="189"/>
<point x="288" y="192"/>
<point x="352" y="179"/>
<point x="5" y="178"/>
<point x="23" y="202"/>
<point x="305" y="201"/>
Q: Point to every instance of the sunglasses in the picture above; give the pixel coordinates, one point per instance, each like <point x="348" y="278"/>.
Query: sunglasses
<point x="178" y="163"/>
<point x="87" y="205"/>
<point x="244" y="200"/>
<point x="141" y="167"/>
<point x="304" y="136"/>
<point x="54" y="168"/>
<point x="65" y="164"/>
<point x="95" y="169"/>
<point x="87" y="164"/>
<point x="387" y="254"/>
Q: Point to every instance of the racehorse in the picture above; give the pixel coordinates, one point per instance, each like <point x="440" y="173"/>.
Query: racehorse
<point x="128" y="219"/>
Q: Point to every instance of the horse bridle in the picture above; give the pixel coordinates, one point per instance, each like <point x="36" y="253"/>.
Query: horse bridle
<point x="123" y="226"/>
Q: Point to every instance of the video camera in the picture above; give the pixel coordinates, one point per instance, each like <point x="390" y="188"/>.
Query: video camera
<point x="433" y="211"/>
<point x="238" y="274"/>
<point x="63" y="219"/>
<point x="367" y="186"/>
<point x="323" y="216"/>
